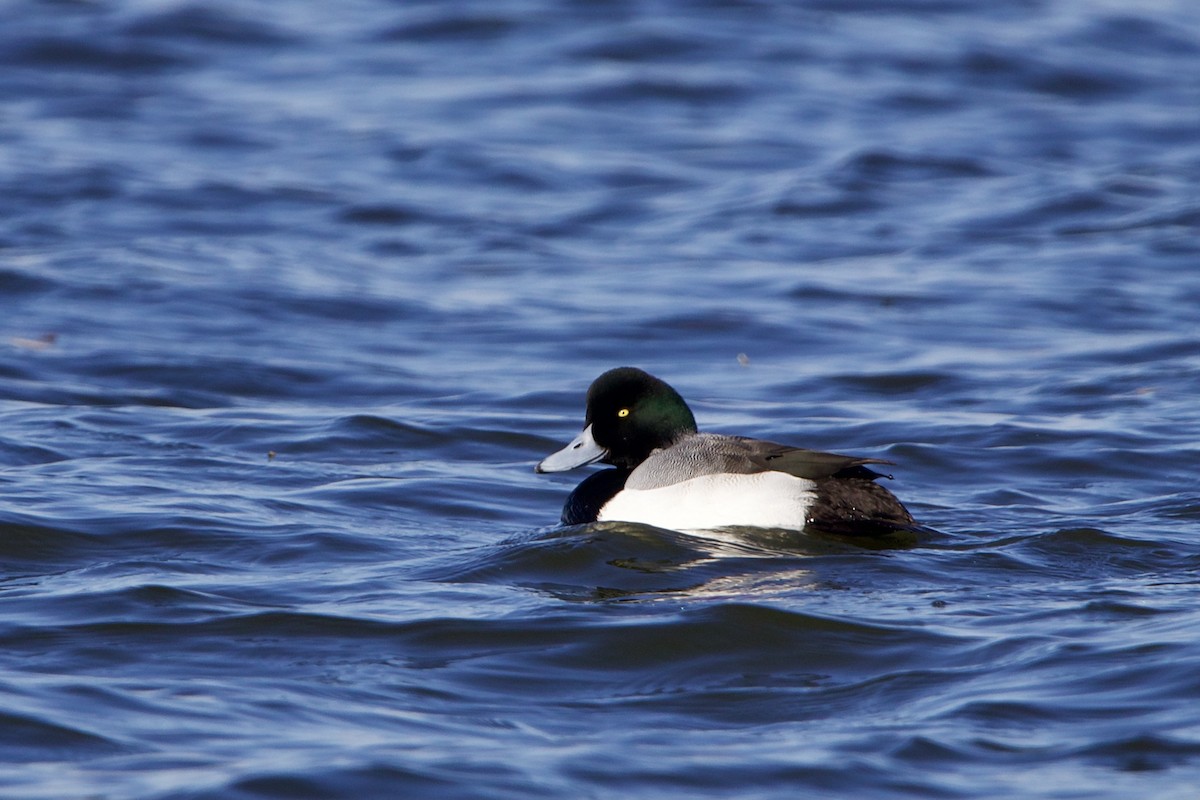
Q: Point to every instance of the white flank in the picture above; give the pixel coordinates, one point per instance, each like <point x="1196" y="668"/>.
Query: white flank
<point x="761" y="500"/>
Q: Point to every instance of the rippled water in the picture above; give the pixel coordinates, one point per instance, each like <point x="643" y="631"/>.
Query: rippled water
<point x="293" y="296"/>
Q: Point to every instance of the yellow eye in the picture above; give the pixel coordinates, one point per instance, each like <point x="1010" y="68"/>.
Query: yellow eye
<point x="624" y="412"/>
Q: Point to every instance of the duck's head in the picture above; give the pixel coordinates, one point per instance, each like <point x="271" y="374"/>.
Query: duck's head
<point x="630" y="413"/>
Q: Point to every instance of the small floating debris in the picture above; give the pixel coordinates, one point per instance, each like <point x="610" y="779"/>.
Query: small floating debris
<point x="43" y="342"/>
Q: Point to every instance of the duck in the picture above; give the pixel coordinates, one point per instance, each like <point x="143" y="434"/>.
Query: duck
<point x="664" y="472"/>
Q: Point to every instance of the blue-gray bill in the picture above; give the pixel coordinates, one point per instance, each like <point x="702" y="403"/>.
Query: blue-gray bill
<point x="581" y="450"/>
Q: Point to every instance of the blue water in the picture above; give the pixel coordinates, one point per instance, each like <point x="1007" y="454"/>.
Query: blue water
<point x="294" y="295"/>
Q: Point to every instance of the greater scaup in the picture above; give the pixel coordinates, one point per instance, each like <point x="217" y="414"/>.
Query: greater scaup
<point x="667" y="474"/>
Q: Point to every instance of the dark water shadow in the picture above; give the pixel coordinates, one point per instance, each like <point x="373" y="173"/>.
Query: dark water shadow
<point x="620" y="560"/>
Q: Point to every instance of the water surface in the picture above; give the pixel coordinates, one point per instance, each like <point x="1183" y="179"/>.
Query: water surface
<point x="293" y="297"/>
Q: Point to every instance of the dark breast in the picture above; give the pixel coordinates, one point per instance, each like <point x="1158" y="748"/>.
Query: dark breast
<point x="585" y="502"/>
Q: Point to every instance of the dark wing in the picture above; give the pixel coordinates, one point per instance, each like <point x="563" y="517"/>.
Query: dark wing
<point x="853" y="506"/>
<point x="849" y="502"/>
<point x="811" y="464"/>
<point x="712" y="453"/>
